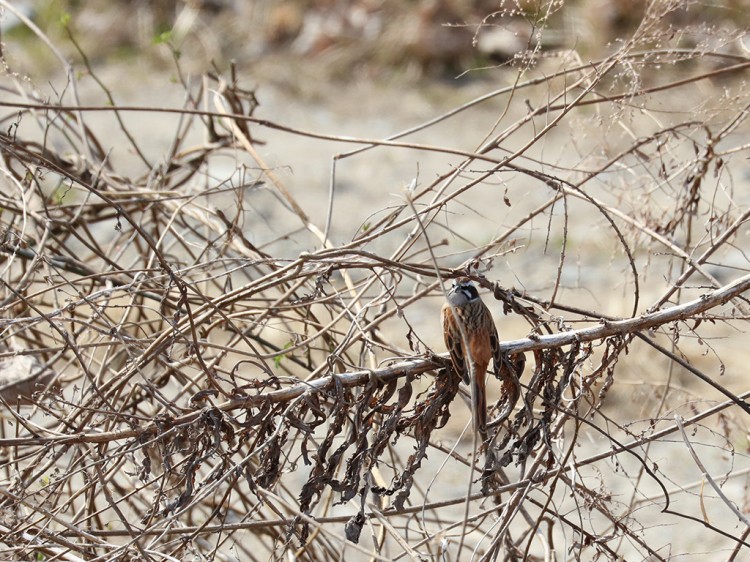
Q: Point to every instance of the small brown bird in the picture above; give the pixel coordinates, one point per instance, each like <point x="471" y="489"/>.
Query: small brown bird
<point x="472" y="340"/>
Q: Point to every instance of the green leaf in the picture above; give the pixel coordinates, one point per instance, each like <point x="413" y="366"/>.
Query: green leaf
<point x="280" y="356"/>
<point x="163" y="37"/>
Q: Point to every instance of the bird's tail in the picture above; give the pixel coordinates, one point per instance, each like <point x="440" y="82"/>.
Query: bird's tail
<point x="479" y="401"/>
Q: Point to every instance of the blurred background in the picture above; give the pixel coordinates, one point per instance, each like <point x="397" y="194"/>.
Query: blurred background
<point x="304" y="44"/>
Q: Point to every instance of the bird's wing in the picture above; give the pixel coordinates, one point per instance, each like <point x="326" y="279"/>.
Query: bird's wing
<point x="452" y="334"/>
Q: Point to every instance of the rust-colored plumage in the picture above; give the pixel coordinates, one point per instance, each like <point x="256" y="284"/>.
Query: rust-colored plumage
<point x="472" y="340"/>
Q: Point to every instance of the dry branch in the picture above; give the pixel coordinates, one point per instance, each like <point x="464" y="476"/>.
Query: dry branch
<point x="195" y="362"/>
<point x="414" y="367"/>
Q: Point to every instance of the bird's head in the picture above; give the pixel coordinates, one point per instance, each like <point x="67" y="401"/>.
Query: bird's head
<point x="462" y="292"/>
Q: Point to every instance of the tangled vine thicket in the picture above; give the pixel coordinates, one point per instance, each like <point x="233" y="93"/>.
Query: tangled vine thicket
<point x="194" y="367"/>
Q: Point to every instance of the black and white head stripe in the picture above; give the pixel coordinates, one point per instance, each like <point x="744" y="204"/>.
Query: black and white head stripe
<point x="462" y="292"/>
